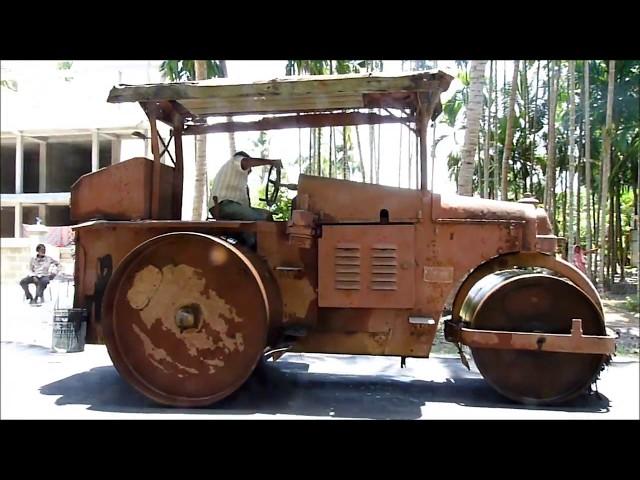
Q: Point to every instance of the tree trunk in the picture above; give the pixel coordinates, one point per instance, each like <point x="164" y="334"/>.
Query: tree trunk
<point x="580" y="182"/>
<point x="474" y="112"/>
<point x="346" y="153"/>
<point x="586" y="98"/>
<point x="232" y="136"/>
<point x="550" y="174"/>
<point x="571" y="240"/>
<point x="525" y="90"/>
<point x="372" y="151"/>
<point x="364" y="178"/>
<point x="433" y="142"/>
<point x="487" y="137"/>
<point x="563" y="180"/>
<point x="299" y="151"/>
<point x="496" y="142"/>
<point x="504" y="85"/>
<point x="607" y="256"/>
<point x="201" y="156"/>
<point x="478" y="164"/>
<point x="613" y="261"/>
<point x="619" y="248"/>
<point x="606" y="158"/>
<point x="599" y="254"/>
<point x="508" y="143"/>
<point x="535" y="118"/>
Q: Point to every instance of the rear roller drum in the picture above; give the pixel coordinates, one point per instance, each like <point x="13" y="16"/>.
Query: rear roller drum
<point x="186" y="318"/>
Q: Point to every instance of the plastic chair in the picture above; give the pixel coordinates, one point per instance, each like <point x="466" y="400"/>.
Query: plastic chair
<point x="46" y="289"/>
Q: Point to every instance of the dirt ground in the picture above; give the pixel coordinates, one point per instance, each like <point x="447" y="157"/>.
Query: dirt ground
<point x="625" y="323"/>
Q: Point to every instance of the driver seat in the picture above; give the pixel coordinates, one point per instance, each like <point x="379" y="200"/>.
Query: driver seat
<point x="214" y="212"/>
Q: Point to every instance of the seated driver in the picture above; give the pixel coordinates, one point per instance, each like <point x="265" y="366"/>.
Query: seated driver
<point x="230" y="186"/>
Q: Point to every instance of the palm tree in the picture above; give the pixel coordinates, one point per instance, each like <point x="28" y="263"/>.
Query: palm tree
<point x="487" y="136"/>
<point x="587" y="159"/>
<point x="262" y="144"/>
<point x="188" y="70"/>
<point x="474" y="111"/>
<point x="496" y="143"/>
<point x="232" y="137"/>
<point x="311" y="67"/>
<point x="364" y="178"/>
<point x="550" y="184"/>
<point x="524" y="137"/>
<point x="572" y="160"/>
<point x="534" y="126"/>
<point x="606" y="159"/>
<point x="400" y="145"/>
<point x="201" y="156"/>
<point x="508" y="143"/>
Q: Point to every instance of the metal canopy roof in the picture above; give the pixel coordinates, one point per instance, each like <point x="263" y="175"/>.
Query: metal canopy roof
<point x="195" y="101"/>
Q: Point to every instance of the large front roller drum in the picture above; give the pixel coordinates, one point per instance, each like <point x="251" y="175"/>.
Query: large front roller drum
<point x="186" y="317"/>
<point x="524" y="302"/>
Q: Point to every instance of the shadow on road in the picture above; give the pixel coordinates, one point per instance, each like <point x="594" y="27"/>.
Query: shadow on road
<point x="287" y="388"/>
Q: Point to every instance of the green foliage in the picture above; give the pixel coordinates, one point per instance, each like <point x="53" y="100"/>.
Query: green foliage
<point x="66" y="66"/>
<point x="262" y="144"/>
<point x="423" y="65"/>
<point x="185" y="70"/>
<point x="281" y="210"/>
<point x="453" y="164"/>
<point x="632" y="304"/>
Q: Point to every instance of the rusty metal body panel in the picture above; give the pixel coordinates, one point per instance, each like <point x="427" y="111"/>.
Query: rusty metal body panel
<point x="367" y="266"/>
<point x="121" y="192"/>
<point x="541" y="342"/>
<point x="114" y="240"/>
<point x="436" y="248"/>
<point x="368" y="332"/>
<point x="343" y="201"/>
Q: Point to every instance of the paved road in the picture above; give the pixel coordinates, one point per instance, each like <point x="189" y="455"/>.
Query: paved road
<point x="36" y="383"/>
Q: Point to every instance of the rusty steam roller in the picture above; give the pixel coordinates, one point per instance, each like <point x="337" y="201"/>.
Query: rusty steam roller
<point x="187" y="309"/>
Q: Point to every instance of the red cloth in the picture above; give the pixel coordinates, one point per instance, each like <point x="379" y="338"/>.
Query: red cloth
<point x="579" y="262"/>
<point x="60" y="236"/>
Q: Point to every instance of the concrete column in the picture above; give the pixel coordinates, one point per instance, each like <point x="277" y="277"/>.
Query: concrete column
<point x="42" y="164"/>
<point x="116" y="147"/>
<point x="95" y="151"/>
<point x="19" y="163"/>
<point x="18" y="221"/>
<point x="42" y="180"/>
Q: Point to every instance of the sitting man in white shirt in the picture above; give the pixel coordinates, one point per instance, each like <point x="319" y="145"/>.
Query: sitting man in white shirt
<point x="39" y="274"/>
<point x="230" y="186"/>
<point x="232" y="192"/>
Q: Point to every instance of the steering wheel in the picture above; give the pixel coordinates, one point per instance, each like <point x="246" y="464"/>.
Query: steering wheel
<point x="272" y="187"/>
